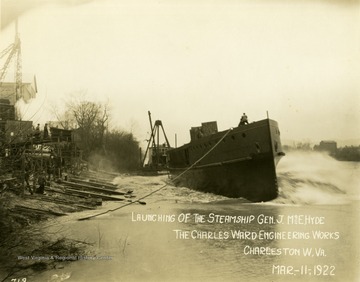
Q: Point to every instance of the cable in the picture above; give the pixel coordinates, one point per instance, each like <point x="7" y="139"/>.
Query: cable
<point x="157" y="190"/>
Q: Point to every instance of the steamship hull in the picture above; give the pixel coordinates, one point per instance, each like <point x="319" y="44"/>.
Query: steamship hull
<point x="240" y="162"/>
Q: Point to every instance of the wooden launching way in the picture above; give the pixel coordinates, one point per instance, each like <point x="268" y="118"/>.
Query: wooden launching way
<point x="93" y="183"/>
<point x="86" y="204"/>
<point x="27" y="209"/>
<point x="88" y="187"/>
<point x="94" y="195"/>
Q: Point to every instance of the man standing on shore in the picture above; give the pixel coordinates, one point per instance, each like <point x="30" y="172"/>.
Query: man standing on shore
<point x="41" y="182"/>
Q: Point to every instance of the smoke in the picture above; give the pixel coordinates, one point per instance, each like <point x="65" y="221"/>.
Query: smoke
<point x="13" y="9"/>
<point x="316" y="178"/>
<point x="99" y="162"/>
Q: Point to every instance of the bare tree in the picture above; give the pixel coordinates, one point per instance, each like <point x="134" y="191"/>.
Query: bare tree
<point x="64" y="117"/>
<point x="91" y="121"/>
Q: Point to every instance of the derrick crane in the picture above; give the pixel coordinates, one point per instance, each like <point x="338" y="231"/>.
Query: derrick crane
<point x="156" y="152"/>
<point x="13" y="52"/>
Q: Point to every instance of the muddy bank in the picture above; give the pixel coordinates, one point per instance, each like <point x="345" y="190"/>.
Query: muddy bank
<point x="27" y="247"/>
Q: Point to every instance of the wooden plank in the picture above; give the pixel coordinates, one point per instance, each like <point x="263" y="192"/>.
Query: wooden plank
<point x="103" y="172"/>
<point x="60" y="201"/>
<point x="98" y="202"/>
<point x="92" y="183"/>
<point x="85" y="207"/>
<point x="89" y="187"/>
<point x="40" y="210"/>
<point x="99" y="181"/>
<point x="97" y="195"/>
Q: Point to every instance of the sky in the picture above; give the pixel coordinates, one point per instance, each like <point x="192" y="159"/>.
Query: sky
<point x="194" y="61"/>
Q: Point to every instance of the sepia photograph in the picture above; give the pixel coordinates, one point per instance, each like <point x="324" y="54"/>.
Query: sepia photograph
<point x="179" y="140"/>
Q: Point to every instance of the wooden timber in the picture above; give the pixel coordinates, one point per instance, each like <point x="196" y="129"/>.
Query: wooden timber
<point x="62" y="202"/>
<point x="98" y="180"/>
<point x="97" y="203"/>
<point x="96" y="195"/>
<point x="39" y="210"/>
<point x="90" y="187"/>
<point x="93" y="183"/>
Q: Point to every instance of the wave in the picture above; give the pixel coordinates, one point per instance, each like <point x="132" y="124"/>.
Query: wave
<point x="316" y="178"/>
<point x="307" y="178"/>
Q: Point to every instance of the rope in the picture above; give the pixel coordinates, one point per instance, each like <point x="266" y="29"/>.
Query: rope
<point x="162" y="187"/>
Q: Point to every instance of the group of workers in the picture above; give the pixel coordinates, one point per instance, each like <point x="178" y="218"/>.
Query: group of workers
<point x="38" y="132"/>
<point x="38" y="177"/>
<point x="40" y="180"/>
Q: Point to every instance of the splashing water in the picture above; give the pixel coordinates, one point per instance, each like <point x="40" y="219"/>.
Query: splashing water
<point x="304" y="178"/>
<point x="317" y="178"/>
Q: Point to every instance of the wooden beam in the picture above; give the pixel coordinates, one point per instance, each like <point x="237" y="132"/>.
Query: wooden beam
<point x="96" y="195"/>
<point x="93" y="188"/>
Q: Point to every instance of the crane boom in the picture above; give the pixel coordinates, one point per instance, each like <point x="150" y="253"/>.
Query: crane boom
<point x="13" y="52"/>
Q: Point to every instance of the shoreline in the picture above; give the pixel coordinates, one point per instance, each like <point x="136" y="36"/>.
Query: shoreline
<point x="27" y="248"/>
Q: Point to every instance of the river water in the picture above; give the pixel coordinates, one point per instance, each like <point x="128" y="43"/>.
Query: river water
<point x="309" y="233"/>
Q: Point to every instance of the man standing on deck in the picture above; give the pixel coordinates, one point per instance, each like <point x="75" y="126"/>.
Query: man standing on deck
<point x="244" y="120"/>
